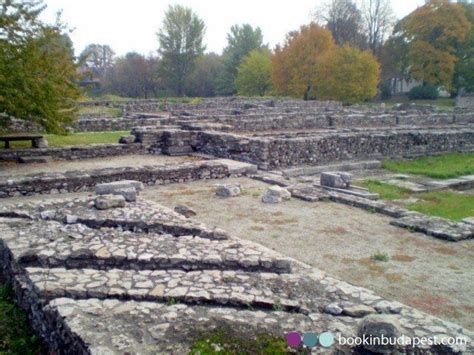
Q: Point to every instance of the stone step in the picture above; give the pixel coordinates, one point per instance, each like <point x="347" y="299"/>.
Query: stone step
<point x="35" y="160"/>
<point x="145" y="216"/>
<point x="77" y="246"/>
<point x="129" y="327"/>
<point x="435" y="226"/>
<point x="224" y="288"/>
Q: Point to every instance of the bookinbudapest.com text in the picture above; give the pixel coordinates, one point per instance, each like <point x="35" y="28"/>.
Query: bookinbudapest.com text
<point x="400" y="341"/>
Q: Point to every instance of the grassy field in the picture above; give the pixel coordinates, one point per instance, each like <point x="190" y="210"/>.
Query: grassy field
<point x="16" y="335"/>
<point x="447" y="204"/>
<point x="440" y="167"/>
<point x="76" y="139"/>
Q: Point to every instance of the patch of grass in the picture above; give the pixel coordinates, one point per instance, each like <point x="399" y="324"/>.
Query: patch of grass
<point x="440" y="167"/>
<point x="379" y="256"/>
<point x="16" y="335"/>
<point x="386" y="191"/>
<point x="55" y="140"/>
<point x="446" y="204"/>
<point x="225" y="341"/>
<point x="100" y="111"/>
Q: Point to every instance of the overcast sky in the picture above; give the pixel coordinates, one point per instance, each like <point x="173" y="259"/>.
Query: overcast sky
<point x="131" y="25"/>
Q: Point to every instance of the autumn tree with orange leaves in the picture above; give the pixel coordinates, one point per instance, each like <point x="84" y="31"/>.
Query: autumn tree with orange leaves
<point x="294" y="64"/>
<point x="434" y="32"/>
<point x="310" y="65"/>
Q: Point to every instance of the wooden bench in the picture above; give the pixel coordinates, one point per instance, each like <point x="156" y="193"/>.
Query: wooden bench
<point x="37" y="141"/>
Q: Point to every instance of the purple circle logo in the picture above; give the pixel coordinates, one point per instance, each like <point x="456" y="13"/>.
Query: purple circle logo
<point x="293" y="339"/>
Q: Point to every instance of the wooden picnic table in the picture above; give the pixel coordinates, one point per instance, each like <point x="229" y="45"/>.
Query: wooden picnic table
<point x="35" y="139"/>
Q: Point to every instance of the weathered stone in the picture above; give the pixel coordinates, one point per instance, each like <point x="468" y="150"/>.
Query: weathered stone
<point x="35" y="160"/>
<point x="71" y="219"/>
<point x="111" y="187"/>
<point x="105" y="202"/>
<point x="336" y="179"/>
<point x="275" y="194"/>
<point x="185" y="211"/>
<point x="129" y="193"/>
<point x="127" y="139"/>
<point x="358" y="311"/>
<point x="378" y="326"/>
<point x="228" y="190"/>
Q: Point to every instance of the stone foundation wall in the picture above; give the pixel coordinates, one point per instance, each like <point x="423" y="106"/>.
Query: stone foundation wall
<point x="77" y="181"/>
<point x="311" y="149"/>
<point x="113" y="124"/>
<point x="76" y="152"/>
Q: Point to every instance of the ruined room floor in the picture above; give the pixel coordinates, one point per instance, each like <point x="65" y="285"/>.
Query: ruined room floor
<point x="60" y="166"/>
<point x="430" y="274"/>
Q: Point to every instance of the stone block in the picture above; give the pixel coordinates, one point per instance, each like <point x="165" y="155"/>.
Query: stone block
<point x="336" y="179"/>
<point x="129" y="193"/>
<point x="34" y="160"/>
<point x="105" y="202"/>
<point x="111" y="187"/>
<point x="127" y="139"/>
<point x="228" y="190"/>
<point x="378" y="326"/>
<point x="185" y="211"/>
<point x="275" y="194"/>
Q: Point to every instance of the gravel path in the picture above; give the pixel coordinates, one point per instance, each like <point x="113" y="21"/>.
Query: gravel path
<point x="14" y="169"/>
<point x="430" y="274"/>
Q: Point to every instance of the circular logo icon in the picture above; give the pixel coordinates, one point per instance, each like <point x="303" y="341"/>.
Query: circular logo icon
<point x="293" y="339"/>
<point x="326" y="339"/>
<point x="310" y="339"/>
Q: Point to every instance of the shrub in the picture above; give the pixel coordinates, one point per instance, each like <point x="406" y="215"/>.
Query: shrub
<point x="423" y="92"/>
<point x="385" y="91"/>
<point x="379" y="256"/>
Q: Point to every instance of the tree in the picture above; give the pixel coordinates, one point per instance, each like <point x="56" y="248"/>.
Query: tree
<point x="204" y="80"/>
<point x="294" y="64"/>
<point x="254" y="77"/>
<point x="434" y="32"/>
<point x="132" y="76"/>
<point x="344" y="20"/>
<point x="464" y="70"/>
<point x="180" y="40"/>
<point x="241" y="40"/>
<point x="348" y="75"/>
<point x="97" y="58"/>
<point x="37" y="69"/>
<point x="378" y="20"/>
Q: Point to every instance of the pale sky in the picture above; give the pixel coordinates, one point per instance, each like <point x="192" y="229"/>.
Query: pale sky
<point x="131" y="25"/>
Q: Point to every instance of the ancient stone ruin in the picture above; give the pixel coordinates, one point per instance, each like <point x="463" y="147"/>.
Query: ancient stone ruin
<point x="101" y="268"/>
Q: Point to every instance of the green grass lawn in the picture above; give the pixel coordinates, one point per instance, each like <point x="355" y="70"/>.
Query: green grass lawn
<point x="75" y="139"/>
<point x="440" y="167"/>
<point x="16" y="335"/>
<point x="447" y="204"/>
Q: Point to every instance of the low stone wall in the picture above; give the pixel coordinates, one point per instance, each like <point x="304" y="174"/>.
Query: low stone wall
<point x="292" y="150"/>
<point x="74" y="181"/>
<point x="113" y="124"/>
<point x="465" y="102"/>
<point x="76" y="152"/>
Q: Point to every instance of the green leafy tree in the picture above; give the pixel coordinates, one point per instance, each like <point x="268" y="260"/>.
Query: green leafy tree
<point x="241" y="40"/>
<point x="434" y="32"/>
<point x="97" y="58"/>
<point x="204" y="80"/>
<point x="180" y="40"/>
<point x="464" y="70"/>
<point x="254" y="77"/>
<point x="133" y="75"/>
<point x="37" y="69"/>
